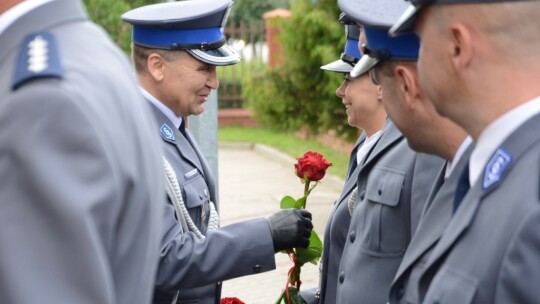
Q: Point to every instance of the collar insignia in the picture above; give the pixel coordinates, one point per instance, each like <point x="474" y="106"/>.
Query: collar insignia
<point x="496" y="167"/>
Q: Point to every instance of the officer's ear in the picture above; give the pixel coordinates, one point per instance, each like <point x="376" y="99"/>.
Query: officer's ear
<point x="155" y="64"/>
<point x="461" y="46"/>
<point x="408" y="85"/>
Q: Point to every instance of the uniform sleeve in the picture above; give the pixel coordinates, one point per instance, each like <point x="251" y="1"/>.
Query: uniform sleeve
<point x="228" y="252"/>
<point x="55" y="183"/>
<point x="520" y="270"/>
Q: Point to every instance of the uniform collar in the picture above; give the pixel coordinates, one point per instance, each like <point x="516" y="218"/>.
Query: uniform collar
<point x="496" y="133"/>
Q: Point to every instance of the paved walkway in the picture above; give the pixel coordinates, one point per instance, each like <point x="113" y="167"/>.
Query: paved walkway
<point x="252" y="181"/>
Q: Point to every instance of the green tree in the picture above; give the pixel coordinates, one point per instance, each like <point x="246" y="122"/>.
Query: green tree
<point x="299" y="94"/>
<point x="249" y="10"/>
<point x="107" y="14"/>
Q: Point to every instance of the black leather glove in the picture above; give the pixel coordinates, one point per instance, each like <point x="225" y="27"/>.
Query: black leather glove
<point x="290" y="228"/>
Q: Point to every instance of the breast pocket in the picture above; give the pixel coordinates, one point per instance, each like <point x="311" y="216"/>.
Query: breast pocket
<point x="196" y="197"/>
<point x="451" y="286"/>
<point x="385" y="226"/>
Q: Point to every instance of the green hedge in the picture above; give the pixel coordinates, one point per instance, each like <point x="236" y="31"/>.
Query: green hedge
<point x="299" y="94"/>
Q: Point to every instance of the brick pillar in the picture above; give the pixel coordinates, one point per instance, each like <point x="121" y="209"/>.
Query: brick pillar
<point x="275" y="52"/>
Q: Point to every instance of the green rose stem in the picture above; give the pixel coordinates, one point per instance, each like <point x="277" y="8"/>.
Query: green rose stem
<point x="294" y="272"/>
<point x="314" y="165"/>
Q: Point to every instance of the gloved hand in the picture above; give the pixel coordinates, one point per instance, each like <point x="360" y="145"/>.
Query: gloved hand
<point x="290" y="228"/>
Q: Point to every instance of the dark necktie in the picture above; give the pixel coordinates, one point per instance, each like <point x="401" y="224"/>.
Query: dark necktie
<point x="182" y="128"/>
<point x="462" y="187"/>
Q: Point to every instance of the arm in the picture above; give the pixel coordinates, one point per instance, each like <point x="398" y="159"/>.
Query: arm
<point x="56" y="183"/>
<point x="232" y="251"/>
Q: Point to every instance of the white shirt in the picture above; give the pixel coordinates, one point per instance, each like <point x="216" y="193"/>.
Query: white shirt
<point x="16" y="12"/>
<point x="493" y="136"/>
<point x="369" y="142"/>
<point x="175" y="119"/>
<point x="459" y="153"/>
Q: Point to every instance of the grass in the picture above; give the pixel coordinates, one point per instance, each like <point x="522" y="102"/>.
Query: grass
<point x="287" y="143"/>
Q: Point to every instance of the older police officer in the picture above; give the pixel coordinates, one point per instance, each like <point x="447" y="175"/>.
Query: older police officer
<point x="79" y="164"/>
<point x="479" y="65"/>
<point x="176" y="48"/>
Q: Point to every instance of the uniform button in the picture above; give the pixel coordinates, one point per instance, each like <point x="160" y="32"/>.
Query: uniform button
<point x="379" y="191"/>
<point x="206" y="192"/>
<point x="352" y="236"/>
<point x="400" y="292"/>
<point x="257" y="268"/>
<point x="342" y="277"/>
<point x="362" y="195"/>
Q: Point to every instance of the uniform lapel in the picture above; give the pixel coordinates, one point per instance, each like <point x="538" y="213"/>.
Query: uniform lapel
<point x="206" y="169"/>
<point x="439" y="181"/>
<point x="184" y="148"/>
<point x="516" y="145"/>
<point x="390" y="135"/>
<point x="437" y="213"/>
<point x="351" y="181"/>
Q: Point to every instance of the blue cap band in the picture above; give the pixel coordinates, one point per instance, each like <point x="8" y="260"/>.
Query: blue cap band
<point x="402" y="47"/>
<point x="167" y="38"/>
<point x="351" y="48"/>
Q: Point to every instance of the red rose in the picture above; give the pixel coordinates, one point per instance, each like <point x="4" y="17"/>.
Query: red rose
<point x="312" y="166"/>
<point x="231" y="301"/>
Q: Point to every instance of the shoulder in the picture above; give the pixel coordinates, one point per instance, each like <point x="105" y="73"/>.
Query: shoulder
<point x="38" y="57"/>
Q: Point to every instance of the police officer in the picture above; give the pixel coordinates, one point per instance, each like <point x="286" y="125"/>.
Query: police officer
<point x="486" y="67"/>
<point x="364" y="111"/>
<point x="427" y="132"/>
<point x="176" y="48"/>
<point x="79" y="175"/>
<point x="393" y="184"/>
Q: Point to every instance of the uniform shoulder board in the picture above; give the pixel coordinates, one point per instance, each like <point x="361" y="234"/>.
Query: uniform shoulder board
<point x="38" y="58"/>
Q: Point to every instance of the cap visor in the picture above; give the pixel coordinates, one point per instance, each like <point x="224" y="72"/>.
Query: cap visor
<point x="223" y="55"/>
<point x="364" y="65"/>
<point x="405" y="22"/>
<point x="339" y="66"/>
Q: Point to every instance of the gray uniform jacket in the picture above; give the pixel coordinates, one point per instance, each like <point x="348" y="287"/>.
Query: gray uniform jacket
<point x="432" y="224"/>
<point x="79" y="165"/>
<point x="195" y="266"/>
<point x="335" y="235"/>
<point x="489" y="252"/>
<point x="390" y="200"/>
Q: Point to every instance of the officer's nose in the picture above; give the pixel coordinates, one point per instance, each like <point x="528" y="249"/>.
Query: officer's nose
<point x="340" y="92"/>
